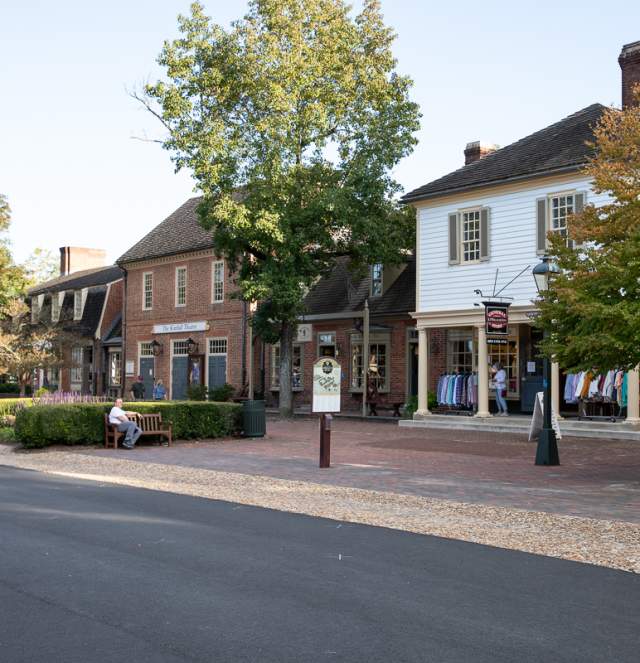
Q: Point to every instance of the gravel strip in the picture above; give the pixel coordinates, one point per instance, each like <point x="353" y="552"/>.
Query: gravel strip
<point x="614" y="544"/>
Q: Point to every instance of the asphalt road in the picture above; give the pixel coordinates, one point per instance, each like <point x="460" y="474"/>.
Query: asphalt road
<point x="93" y="572"/>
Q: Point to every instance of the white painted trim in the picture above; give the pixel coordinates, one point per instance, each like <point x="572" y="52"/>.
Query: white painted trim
<point x="216" y="354"/>
<point x="175" y="289"/>
<point x="213" y="271"/>
<point x="147" y="308"/>
<point x="98" y="334"/>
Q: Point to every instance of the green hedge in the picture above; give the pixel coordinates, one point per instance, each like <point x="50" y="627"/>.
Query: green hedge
<point x="83" y="423"/>
<point x="12" y="405"/>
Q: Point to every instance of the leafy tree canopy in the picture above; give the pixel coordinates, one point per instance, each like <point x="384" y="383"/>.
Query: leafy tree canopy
<point x="593" y="308"/>
<point x="291" y="122"/>
<point x="12" y="281"/>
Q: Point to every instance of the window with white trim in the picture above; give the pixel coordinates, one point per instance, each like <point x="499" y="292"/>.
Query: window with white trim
<point x="35" y="309"/>
<point x="378" y="363"/>
<point x="326" y="344"/>
<point x="217" y="276"/>
<point x="78" y="304"/>
<point x="147" y="291"/>
<point x="76" y="365"/>
<point x="217" y="346"/>
<point x="181" y="286"/>
<point x="297" y="374"/>
<point x="146" y="349"/>
<point x="460" y="351"/>
<point x="470" y="236"/>
<point x="115" y="368"/>
<point x="56" y="300"/>
<point x="560" y="209"/>
<point x="180" y="348"/>
<point x="376" y="279"/>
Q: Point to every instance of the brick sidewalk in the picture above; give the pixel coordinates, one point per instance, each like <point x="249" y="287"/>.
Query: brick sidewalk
<point x="596" y="479"/>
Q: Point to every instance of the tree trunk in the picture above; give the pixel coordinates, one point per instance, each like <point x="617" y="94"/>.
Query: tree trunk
<point x="286" y="369"/>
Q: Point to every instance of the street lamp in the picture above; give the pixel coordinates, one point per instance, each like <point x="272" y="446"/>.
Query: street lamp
<point x="547" y="451"/>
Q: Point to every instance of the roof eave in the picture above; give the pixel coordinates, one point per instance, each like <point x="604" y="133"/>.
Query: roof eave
<point x="408" y="199"/>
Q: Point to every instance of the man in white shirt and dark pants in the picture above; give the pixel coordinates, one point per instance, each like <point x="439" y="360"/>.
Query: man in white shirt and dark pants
<point x="118" y="417"/>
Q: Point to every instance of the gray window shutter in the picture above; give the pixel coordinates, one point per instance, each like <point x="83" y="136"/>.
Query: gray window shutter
<point x="485" y="236"/>
<point x="541" y="225"/>
<point x="454" y="257"/>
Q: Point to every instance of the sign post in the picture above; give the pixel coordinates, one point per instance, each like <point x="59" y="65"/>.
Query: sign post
<point x="327" y="377"/>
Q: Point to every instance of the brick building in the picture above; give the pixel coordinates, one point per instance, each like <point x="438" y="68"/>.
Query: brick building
<point x="181" y="322"/>
<point x="333" y="326"/>
<point x="85" y="304"/>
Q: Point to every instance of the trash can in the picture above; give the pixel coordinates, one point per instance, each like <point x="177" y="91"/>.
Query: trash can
<point x="253" y="419"/>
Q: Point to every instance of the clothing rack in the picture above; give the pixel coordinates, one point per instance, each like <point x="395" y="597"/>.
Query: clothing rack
<point x="598" y="395"/>
<point x="457" y="394"/>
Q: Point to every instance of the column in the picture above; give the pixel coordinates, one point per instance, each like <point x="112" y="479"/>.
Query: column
<point x="633" y="397"/>
<point x="555" y="388"/>
<point x="423" y="375"/>
<point x="483" y="374"/>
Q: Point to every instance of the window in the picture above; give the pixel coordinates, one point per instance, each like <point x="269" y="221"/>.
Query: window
<point x="471" y="236"/>
<point x="296" y="367"/>
<point x="52" y="378"/>
<point x="76" y="365"/>
<point x="376" y="279"/>
<point x="79" y="298"/>
<point x="146" y="349"/>
<point x="377" y="362"/>
<point x="147" y="291"/>
<point x="507" y="355"/>
<point x="35" y="309"/>
<point x="459" y="351"/>
<point x="115" y="369"/>
<point x="218" y="281"/>
<point x="327" y="344"/>
<point x="181" y="286"/>
<point x="217" y="346"/>
<point x="56" y="301"/>
<point x="560" y="208"/>
<point x="180" y="348"/>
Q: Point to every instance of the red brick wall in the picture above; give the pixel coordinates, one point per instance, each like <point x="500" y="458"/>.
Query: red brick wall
<point x="437" y="356"/>
<point x="224" y="318"/>
<point x="397" y="355"/>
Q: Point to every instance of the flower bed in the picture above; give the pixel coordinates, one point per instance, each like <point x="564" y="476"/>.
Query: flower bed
<point x="83" y="423"/>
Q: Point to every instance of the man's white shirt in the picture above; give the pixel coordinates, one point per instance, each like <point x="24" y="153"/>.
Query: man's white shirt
<point x="115" y="413"/>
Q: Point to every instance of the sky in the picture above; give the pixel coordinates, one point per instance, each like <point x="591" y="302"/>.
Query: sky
<point x="75" y="174"/>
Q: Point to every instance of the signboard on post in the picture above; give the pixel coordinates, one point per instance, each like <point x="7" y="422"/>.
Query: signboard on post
<point x="537" y="418"/>
<point x="326" y="385"/>
<point x="496" y="318"/>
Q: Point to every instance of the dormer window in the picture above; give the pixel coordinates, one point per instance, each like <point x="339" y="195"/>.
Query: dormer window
<point x="35" y="309"/>
<point x="56" y="303"/>
<point x="376" y="279"/>
<point x="79" y="297"/>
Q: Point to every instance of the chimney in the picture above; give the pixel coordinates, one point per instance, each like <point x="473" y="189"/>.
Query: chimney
<point x="476" y="151"/>
<point x="629" y="62"/>
<point x="77" y="258"/>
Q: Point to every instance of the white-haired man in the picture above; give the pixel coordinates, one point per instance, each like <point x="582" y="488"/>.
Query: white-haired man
<point x="118" y="417"/>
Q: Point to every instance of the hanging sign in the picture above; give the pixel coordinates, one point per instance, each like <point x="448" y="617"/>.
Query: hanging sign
<point x="304" y="333"/>
<point x="496" y="318"/>
<point x="326" y="385"/>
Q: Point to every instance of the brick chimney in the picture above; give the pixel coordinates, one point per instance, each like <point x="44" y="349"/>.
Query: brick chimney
<point x="476" y="151"/>
<point x="77" y="258"/>
<point x="629" y="62"/>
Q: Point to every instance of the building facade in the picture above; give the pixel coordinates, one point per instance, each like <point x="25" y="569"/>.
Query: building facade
<point x="182" y="323"/>
<point x="85" y="306"/>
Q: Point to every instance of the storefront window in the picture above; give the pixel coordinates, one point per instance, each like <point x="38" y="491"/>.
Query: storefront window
<point x="296" y="372"/>
<point x="326" y="344"/>
<point x="378" y="364"/>
<point x="76" y="366"/>
<point x="507" y="355"/>
<point x="459" y="351"/>
<point x="115" y="375"/>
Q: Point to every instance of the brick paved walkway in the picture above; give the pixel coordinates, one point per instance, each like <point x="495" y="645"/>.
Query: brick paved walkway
<point x="596" y="479"/>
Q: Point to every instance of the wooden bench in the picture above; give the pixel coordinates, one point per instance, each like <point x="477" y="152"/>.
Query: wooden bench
<point x="149" y="424"/>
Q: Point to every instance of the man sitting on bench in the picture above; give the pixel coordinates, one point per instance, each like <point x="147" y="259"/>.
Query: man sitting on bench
<point x="118" y="417"/>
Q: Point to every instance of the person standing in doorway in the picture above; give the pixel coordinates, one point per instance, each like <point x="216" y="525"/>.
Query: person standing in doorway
<point x="159" y="391"/>
<point x="500" y="381"/>
<point x="137" y="389"/>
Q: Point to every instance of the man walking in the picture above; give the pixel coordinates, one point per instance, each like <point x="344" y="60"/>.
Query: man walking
<point x="118" y="417"/>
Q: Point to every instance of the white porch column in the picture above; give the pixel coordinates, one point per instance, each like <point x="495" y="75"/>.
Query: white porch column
<point x="423" y="375"/>
<point x="633" y="397"/>
<point x="483" y="374"/>
<point x="555" y="388"/>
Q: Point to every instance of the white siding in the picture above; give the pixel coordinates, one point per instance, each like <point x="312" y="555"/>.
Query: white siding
<point x="444" y="287"/>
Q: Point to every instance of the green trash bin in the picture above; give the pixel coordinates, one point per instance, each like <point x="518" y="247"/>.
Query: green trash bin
<point x="253" y="419"/>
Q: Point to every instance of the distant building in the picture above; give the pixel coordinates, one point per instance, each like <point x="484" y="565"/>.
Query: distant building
<point x="85" y="302"/>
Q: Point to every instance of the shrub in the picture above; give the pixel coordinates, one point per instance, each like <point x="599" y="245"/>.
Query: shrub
<point x="9" y="388"/>
<point x="412" y="404"/>
<point x="222" y="393"/>
<point x="83" y="423"/>
<point x="7" y="435"/>
<point x="12" y="405"/>
<point x="43" y="391"/>
<point x="197" y="392"/>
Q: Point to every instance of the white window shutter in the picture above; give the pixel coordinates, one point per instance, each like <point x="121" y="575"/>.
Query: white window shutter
<point x="541" y="225"/>
<point x="454" y="242"/>
<point x="485" y="234"/>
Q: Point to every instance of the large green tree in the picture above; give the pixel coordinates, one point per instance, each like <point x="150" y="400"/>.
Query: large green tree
<point x="291" y="122"/>
<point x="12" y="281"/>
<point x="592" y="310"/>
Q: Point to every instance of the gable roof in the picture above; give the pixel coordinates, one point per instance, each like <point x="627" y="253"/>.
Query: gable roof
<point x="85" y="278"/>
<point x="561" y="147"/>
<point x="180" y="232"/>
<point x="86" y="326"/>
<point x="342" y="291"/>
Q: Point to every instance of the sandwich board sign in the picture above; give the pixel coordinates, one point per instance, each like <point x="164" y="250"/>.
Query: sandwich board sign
<point x="537" y="418"/>
<point x="326" y="385"/>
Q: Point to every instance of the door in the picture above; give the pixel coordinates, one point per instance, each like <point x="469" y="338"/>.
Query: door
<point x="413" y="369"/>
<point x="217" y="371"/>
<point x="179" y="375"/>
<point x="196" y="370"/>
<point x="147" y="373"/>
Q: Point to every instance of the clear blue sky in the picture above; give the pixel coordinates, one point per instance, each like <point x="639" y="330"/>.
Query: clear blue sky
<point x="492" y="71"/>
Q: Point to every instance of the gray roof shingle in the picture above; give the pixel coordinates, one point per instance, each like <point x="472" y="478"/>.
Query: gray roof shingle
<point x="559" y="147"/>
<point x="85" y="278"/>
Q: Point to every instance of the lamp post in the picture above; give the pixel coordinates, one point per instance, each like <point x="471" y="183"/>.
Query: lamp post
<point x="547" y="451"/>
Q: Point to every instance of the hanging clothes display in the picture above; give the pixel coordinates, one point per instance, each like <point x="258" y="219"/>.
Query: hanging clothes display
<point x="593" y="391"/>
<point x="457" y="390"/>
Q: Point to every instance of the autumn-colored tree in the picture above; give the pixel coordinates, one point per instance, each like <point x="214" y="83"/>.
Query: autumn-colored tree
<point x="291" y="122"/>
<point x="592" y="311"/>
<point x="41" y="266"/>
<point x="12" y="281"/>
